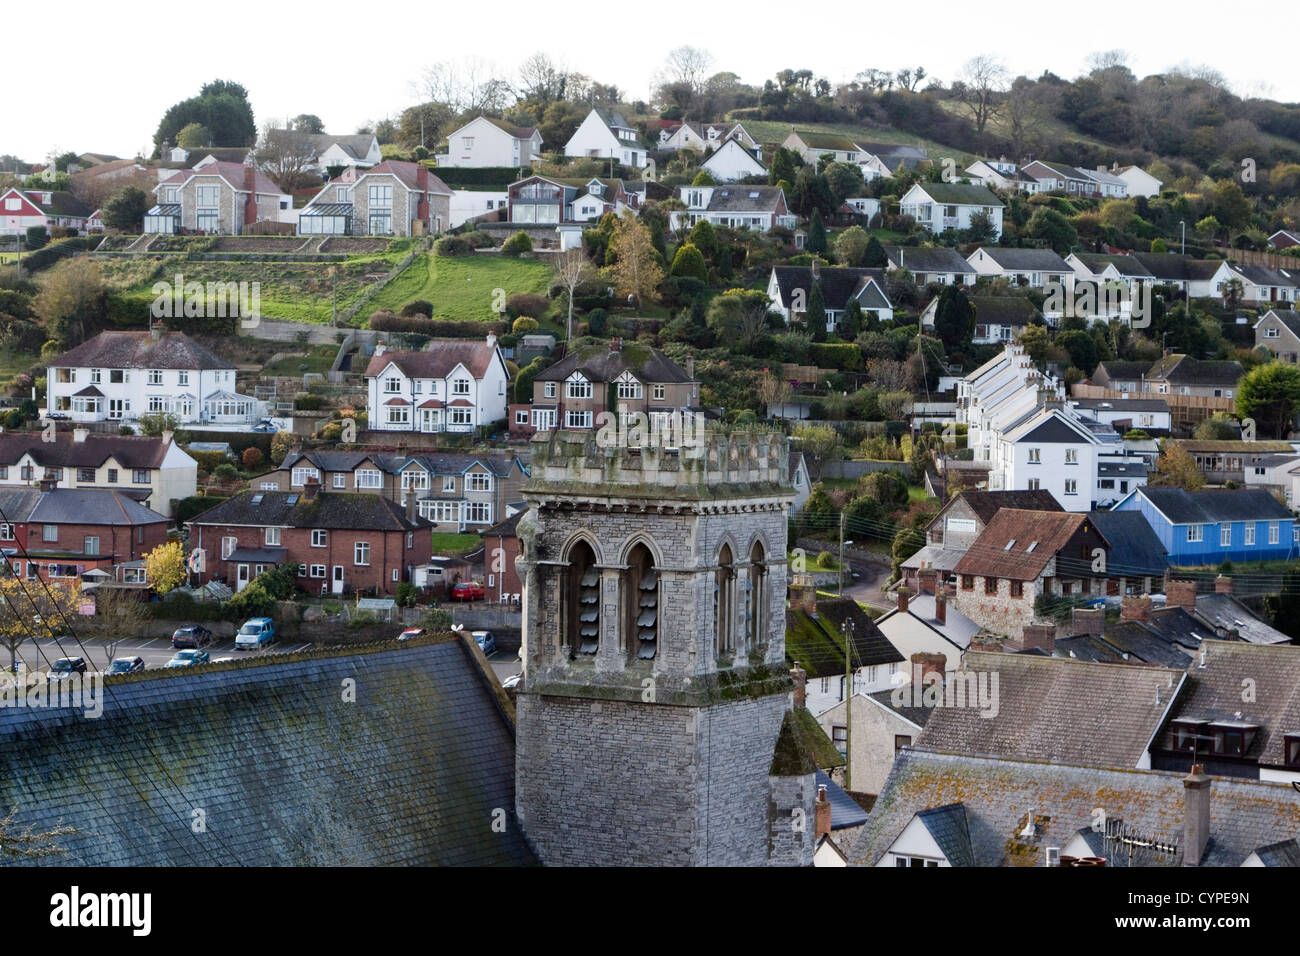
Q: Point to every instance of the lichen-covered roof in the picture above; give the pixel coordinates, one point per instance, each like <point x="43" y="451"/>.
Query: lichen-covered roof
<point x="823" y="748"/>
<point x="286" y="771"/>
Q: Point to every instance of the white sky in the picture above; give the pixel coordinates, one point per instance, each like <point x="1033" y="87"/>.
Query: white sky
<point x="312" y="58"/>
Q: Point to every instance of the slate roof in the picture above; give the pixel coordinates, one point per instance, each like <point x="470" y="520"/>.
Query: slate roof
<point x="1212" y="505"/>
<point x="1263" y="275"/>
<point x="1123" y="371"/>
<point x="1171" y="267"/>
<point x="957" y="628"/>
<point x="356" y="145"/>
<point x="845" y="811"/>
<point x="1125" y="265"/>
<point x="1214" y="692"/>
<point x="1288" y="317"/>
<point x="917" y="715"/>
<point x="1128" y="642"/>
<point x="90" y="506"/>
<point x="506" y="528"/>
<point x="1181" y="370"/>
<point x="816" y="643"/>
<point x="233" y="173"/>
<point x="960" y="194"/>
<point x="171" y="350"/>
<point x="599" y="364"/>
<point x="837" y="285"/>
<point x="1225" y="614"/>
<point x="289" y="773"/>
<point x="891" y="154"/>
<point x="936" y="259"/>
<point x="1058" y="710"/>
<point x="1044" y="532"/>
<point x="998" y="794"/>
<point x="1134" y="547"/>
<point x="744" y="199"/>
<point x="1024" y="260"/>
<point x="1282" y="853"/>
<point x="986" y="504"/>
<point x="438" y="361"/>
<point x="1013" y="310"/>
<point x="331" y="510"/>
<point x="949" y="828"/>
<point x="65" y="452"/>
<point x="62" y="203"/>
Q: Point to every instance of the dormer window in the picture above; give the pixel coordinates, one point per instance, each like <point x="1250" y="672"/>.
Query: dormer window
<point x="1291" y="750"/>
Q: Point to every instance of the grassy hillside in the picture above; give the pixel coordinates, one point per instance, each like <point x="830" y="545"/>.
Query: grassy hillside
<point x="772" y="133"/>
<point x="462" y="288"/>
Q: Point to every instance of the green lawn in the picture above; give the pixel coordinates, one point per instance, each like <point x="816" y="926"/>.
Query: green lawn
<point x="463" y="288"/>
<point x="775" y="131"/>
<point x="813" y="564"/>
<point x="319" y="358"/>
<point x="444" y="543"/>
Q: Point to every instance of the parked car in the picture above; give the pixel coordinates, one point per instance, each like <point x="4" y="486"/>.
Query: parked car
<point x="188" y="658"/>
<point x="255" y="632"/>
<point x="411" y="632"/>
<point x="486" y="642"/>
<point x="191" y="635"/>
<point x="512" y="681"/>
<point x="125" y="665"/>
<point x="65" y="667"/>
<point x="469" y="591"/>
<point x="222" y="660"/>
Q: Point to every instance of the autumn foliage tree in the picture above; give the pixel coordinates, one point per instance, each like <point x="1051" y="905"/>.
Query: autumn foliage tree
<point x="637" y="269"/>
<point x="165" y="566"/>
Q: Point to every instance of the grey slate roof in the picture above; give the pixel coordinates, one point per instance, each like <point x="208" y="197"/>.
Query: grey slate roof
<point x="600" y="364"/>
<point x="1013" y="310"/>
<point x="936" y="259"/>
<point x="837" y="285"/>
<point x="65" y="452"/>
<point x="948" y="826"/>
<point x="1212" y="505"/>
<point x="1282" y="853"/>
<point x="90" y="506"/>
<point x="1134" y="547"/>
<point x="331" y="510"/>
<point x="1288" y="317"/>
<point x="845" y="811"/>
<point x="744" y="199"/>
<point x="1225" y="614"/>
<point x="1055" y="709"/>
<point x="288" y="773"/>
<point x="172" y="350"/>
<point x="1182" y="370"/>
<point x="917" y="715"/>
<point x="1025" y="260"/>
<point x="998" y="794"/>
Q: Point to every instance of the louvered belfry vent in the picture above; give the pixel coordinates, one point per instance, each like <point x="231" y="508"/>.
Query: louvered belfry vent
<point x="589" y="611"/>
<point x="647" y="620"/>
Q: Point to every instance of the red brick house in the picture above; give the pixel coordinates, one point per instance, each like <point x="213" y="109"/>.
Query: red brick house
<point x="500" y="548"/>
<point x="340" y="543"/>
<point x="61" y="533"/>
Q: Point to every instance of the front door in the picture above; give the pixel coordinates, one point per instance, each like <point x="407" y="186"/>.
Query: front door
<point x="429" y="419"/>
<point x="241" y="578"/>
<point x="337" y="583"/>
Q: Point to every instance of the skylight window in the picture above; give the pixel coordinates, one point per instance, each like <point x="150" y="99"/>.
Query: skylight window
<point x="257" y="499"/>
<point x="1032" y="545"/>
<point x="1010" y="544"/>
<point x="291" y="500"/>
<point x="753" y="195"/>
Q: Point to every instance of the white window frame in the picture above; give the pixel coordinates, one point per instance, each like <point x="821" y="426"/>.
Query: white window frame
<point x="319" y="538"/>
<point x="360" y="550"/>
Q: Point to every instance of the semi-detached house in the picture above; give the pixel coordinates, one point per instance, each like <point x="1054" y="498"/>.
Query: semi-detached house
<point x="221" y="198"/>
<point x="394" y="198"/>
<point x="453" y="386"/>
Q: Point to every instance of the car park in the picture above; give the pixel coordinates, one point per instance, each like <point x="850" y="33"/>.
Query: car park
<point x="191" y="635"/>
<point x="188" y="658"/>
<point x="125" y="665"/>
<point x="65" y="667"/>
<point x="254" y="633"/>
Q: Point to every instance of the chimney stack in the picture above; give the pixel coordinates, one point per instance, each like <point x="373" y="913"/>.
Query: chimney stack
<point x="615" y="344"/>
<point x="79" y="435"/>
<point x="167" y="437"/>
<point x="1180" y="594"/>
<point x="1134" y="608"/>
<point x="155" y="330"/>
<point x="1040" y="636"/>
<point x="800" y="678"/>
<point x="47" y="484"/>
<point x="924" y="663"/>
<point x="410" y="506"/>
<point x="822" y="815"/>
<point x="1090" y="621"/>
<point x="927" y="580"/>
<point x="1223" y="584"/>
<point x="491" y="340"/>
<point x="903" y="594"/>
<point x="309" y="489"/>
<point x="1196" y="815"/>
<point x="803" y="593"/>
<point x="941" y="606"/>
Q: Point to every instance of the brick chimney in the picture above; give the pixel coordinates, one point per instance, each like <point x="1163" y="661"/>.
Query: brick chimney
<point x="803" y="593"/>
<point x="616" y="344"/>
<point x="1135" y="608"/>
<point x="167" y="437"/>
<point x="1196" y="815"/>
<point x="1223" y="584"/>
<point x="927" y="579"/>
<point x="1090" y="621"/>
<point x="79" y="435"/>
<point x="422" y="184"/>
<point x="1041" y="636"/>
<point x="800" y="678"/>
<point x="903" y="595"/>
<point x="1180" y="594"/>
<point x="491" y="340"/>
<point x="410" y="506"/>
<point x="941" y="606"/>
<point x="309" y="489"/>
<point x="250" y="204"/>
<point x="924" y="663"/>
<point x="822" y="814"/>
<point x="47" y="484"/>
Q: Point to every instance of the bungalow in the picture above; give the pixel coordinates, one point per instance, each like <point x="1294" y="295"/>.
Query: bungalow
<point x="812" y="146"/>
<point x="890" y="157"/>
<point x="931" y="264"/>
<point x="701" y="137"/>
<point x="1103" y="267"/>
<point x="1226" y="460"/>
<point x="393" y="198"/>
<point x="1140" y="182"/>
<point x="1106" y="185"/>
<point x="939" y="207"/>
<point x="454" y="386"/>
<point x="1285" y="238"/>
<point x="760" y="208"/>
<point x="731" y="162"/>
<point x="1194" y="277"/>
<point x="327" y="150"/>
<point x="1279" y="332"/>
<point x="605" y="134"/>
<point x="1001" y="174"/>
<point x="338" y="542"/>
<point x="1058" y="177"/>
<point x="1213" y="525"/>
<point x="1176" y="374"/>
<point x="22" y="209"/>
<point x="220" y="198"/>
<point x="998" y="318"/>
<point x="1260" y="285"/>
<point x="488" y="141"/>
<point x="789" y="288"/>
<point x="1032" y="267"/>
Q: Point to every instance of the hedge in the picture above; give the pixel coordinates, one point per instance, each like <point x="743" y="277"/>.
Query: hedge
<point x="46" y="257"/>
<point x="835" y="355"/>
<point x="481" y="175"/>
<point x="184" y="509"/>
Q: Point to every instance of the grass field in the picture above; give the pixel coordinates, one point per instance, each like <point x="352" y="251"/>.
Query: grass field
<point x="444" y="543"/>
<point x="462" y="288"/>
<point x="775" y="131"/>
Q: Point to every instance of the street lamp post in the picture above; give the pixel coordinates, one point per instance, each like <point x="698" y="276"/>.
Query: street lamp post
<point x="1183" y="244"/>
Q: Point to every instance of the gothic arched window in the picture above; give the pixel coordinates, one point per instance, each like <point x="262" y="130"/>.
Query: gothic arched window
<point x="756" y="596"/>
<point x="641" y="604"/>
<point x="584" y="599"/>
<point x="724" y="602"/>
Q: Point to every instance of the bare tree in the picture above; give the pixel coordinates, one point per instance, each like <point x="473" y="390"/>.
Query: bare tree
<point x="467" y="86"/>
<point x="541" y="80"/>
<point x="980" y="85"/>
<point x="18" y="841"/>
<point x="773" y="390"/>
<point x="909" y="79"/>
<point x="1027" y="116"/>
<point x="572" y="269"/>
<point x="684" y="73"/>
<point x="1107" y="60"/>
<point x="286" y="155"/>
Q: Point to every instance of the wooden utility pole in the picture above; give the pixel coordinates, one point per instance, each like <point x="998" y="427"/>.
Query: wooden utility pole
<point x="848" y="703"/>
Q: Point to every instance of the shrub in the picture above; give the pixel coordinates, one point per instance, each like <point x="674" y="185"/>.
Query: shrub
<point x="825" y="559"/>
<point x="597" y="319"/>
<point x="532" y="306"/>
<point x="517" y="244"/>
<point x="452" y="246"/>
<point x="252" y="459"/>
<point x="406" y="594"/>
<point x="226" y="472"/>
<point x="309" y="403"/>
<point x="479" y="239"/>
<point x="522" y="326"/>
<point x="689" y="263"/>
<point x="417" y="307"/>
<point x="208" y="460"/>
<point x="37" y="237"/>
<point x="13" y="419"/>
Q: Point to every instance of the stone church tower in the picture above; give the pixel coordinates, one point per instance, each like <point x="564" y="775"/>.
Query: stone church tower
<point x="652" y="716"/>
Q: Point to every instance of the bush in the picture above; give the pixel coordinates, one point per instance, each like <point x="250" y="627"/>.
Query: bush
<point x="37" y="237"/>
<point x="183" y="509"/>
<point x="532" y="306"/>
<point x="479" y="239"/>
<point x="208" y="460"/>
<point x="517" y="244"/>
<point x="406" y="594"/>
<point x="309" y="403"/>
<point x="833" y="355"/>
<point x="226" y="472"/>
<point x="417" y="307"/>
<point x="252" y="459"/>
<point x="826" y="559"/>
<point x="597" y="319"/>
<point x="452" y="246"/>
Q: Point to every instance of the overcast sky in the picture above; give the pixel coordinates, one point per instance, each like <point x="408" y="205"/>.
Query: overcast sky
<point x="349" y="62"/>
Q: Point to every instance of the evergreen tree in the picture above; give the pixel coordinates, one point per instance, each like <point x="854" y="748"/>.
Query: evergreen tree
<point x="689" y="263"/>
<point x="816" y="243"/>
<point x="953" y="321"/>
<point x="705" y="238"/>
<point x="876" y="257"/>
<point x="816" y="315"/>
<point x="851" y="321"/>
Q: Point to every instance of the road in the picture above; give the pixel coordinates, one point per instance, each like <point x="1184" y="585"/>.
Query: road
<point x="866" y="590"/>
